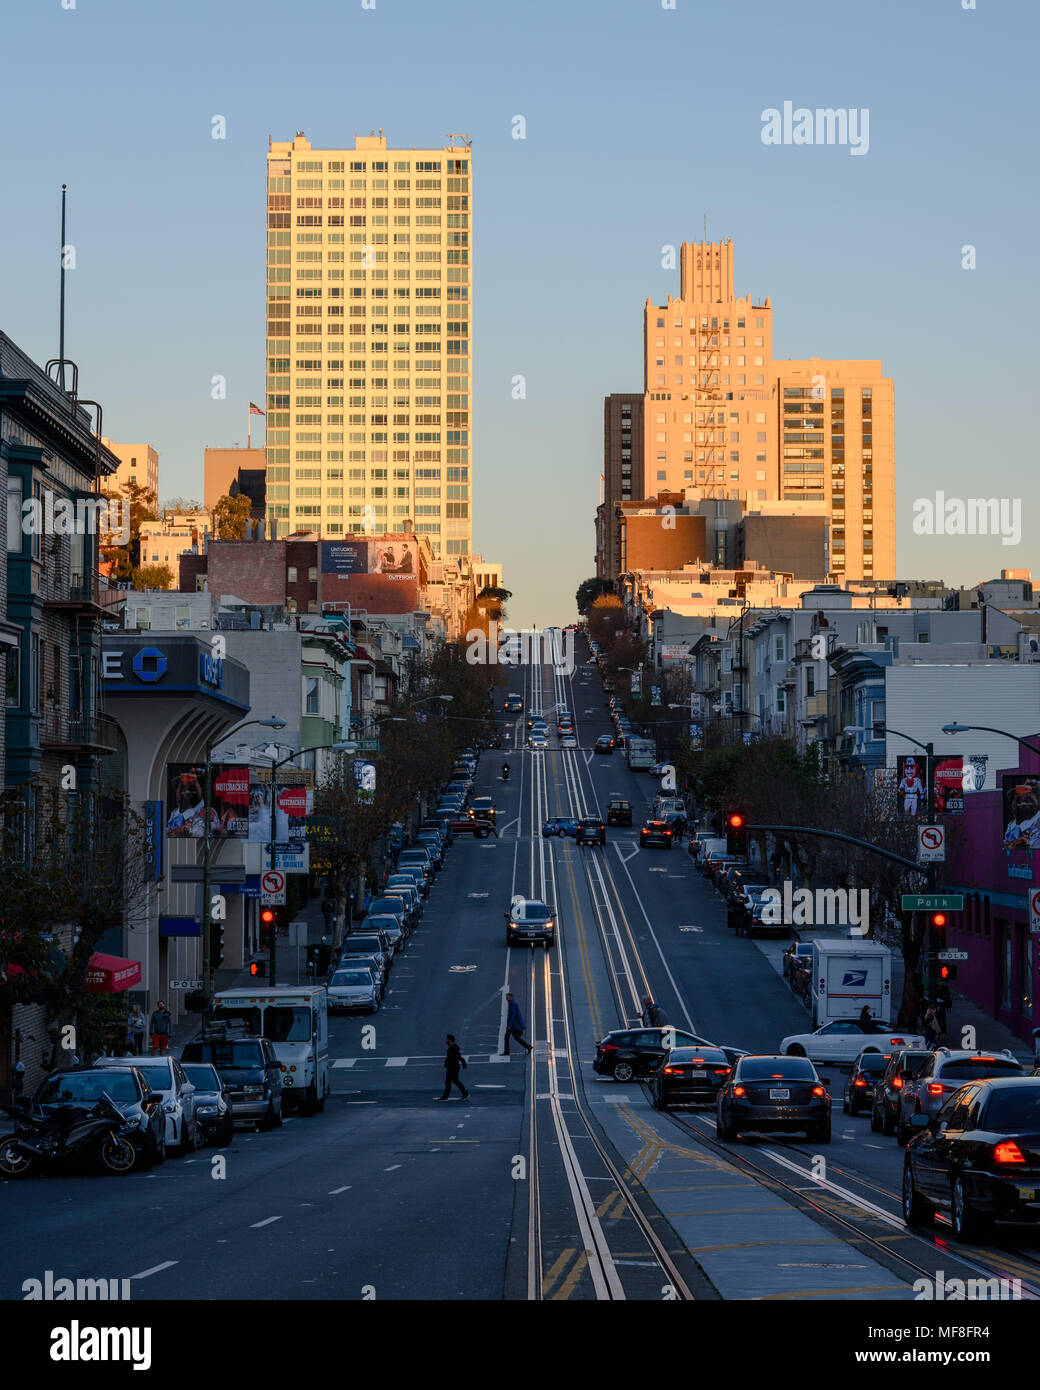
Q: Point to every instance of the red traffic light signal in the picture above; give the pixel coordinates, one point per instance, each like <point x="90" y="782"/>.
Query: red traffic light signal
<point x="267" y="917"/>
<point x="947" y="972"/>
<point x="735" y="821"/>
<point x="258" y="967"/>
<point x="938" y="919"/>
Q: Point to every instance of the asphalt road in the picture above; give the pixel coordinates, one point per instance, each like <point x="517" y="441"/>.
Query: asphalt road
<point x="520" y="1191"/>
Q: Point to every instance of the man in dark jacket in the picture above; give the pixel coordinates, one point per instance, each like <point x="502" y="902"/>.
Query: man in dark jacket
<point x="161" y="1025"/>
<point x="453" y="1060"/>
<point x="514" y="1026"/>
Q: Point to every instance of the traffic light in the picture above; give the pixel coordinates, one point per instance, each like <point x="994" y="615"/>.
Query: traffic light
<point x="937" y="920"/>
<point x="947" y="972"/>
<point x="216" y="945"/>
<point x="736" y="833"/>
<point x="267" y="922"/>
<point x="258" y="969"/>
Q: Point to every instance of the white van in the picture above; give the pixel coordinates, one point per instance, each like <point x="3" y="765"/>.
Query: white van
<point x="295" y="1019"/>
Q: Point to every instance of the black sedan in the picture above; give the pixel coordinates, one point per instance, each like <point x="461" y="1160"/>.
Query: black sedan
<point x="978" y="1159"/>
<point x="690" y="1076"/>
<point x="128" y="1090"/>
<point x="604" y="744"/>
<point x="774" y="1093"/>
<point x="212" y="1106"/>
<point x="864" y="1074"/>
<point x="629" y="1053"/>
<point x="591" y="831"/>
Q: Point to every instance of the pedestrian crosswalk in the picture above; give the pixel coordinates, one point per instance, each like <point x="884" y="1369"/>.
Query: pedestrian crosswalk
<point x="374" y="1061"/>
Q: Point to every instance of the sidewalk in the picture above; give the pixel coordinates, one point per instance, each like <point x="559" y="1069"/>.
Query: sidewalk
<point x="188" y="1025"/>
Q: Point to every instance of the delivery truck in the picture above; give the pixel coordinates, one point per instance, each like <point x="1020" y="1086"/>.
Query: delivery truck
<point x="295" y="1019"/>
<point x="642" y="753"/>
<point x="848" y="974"/>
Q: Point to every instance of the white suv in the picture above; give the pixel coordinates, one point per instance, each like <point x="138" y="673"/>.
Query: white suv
<point x="166" y="1077"/>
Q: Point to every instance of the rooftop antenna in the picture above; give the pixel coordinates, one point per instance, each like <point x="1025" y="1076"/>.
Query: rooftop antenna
<point x="61" y="304"/>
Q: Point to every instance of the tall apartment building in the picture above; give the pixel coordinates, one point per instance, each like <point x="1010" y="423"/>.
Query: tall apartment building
<point x="138" y="463"/>
<point x="723" y="415"/>
<point x="369" y="330"/>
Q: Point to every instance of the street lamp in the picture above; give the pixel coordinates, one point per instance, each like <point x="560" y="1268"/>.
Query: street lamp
<point x="342" y="746"/>
<point x="985" y="729"/>
<point x="274" y="722"/>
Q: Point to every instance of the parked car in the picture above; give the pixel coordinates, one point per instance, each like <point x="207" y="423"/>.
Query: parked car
<point x="690" y="1075"/>
<point x="370" y="942"/>
<point x="592" y="830"/>
<point x="365" y="960"/>
<point x="391" y="927"/>
<point x="656" y="832"/>
<point x="977" y="1159"/>
<point x="247" y="1066"/>
<point x="903" y="1065"/>
<point x="946" y="1071"/>
<point x="409" y="893"/>
<point x="864" y="1074"/>
<point x="418" y="856"/>
<point x="390" y="906"/>
<point x="127" y="1088"/>
<point x="430" y="840"/>
<point x="560" y="826"/>
<point x="353" y="988"/>
<point x="212" y="1103"/>
<point x="766" y="1093"/>
<point x="165" y="1077"/>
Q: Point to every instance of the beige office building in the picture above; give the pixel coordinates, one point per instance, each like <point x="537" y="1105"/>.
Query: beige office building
<point x="138" y="463"/>
<point x="722" y="415"/>
<point x="369" y="333"/>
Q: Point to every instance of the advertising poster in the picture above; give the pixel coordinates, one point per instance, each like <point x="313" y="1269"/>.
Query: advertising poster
<point x="290" y="809"/>
<point x="949" y="786"/>
<point x="344" y="557"/>
<point x="186" y="800"/>
<point x="911" y="785"/>
<point x="1021" y="801"/>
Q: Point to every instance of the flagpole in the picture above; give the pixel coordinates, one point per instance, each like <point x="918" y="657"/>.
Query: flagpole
<point x="249" y="428"/>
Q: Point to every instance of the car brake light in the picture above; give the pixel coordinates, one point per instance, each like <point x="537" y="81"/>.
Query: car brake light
<point x="608" y="1047"/>
<point x="671" y="1071"/>
<point x="985" y="1059"/>
<point x="1008" y="1152"/>
<point x="934" y="1088"/>
<point x="895" y="1041"/>
<point x="897" y="1083"/>
<point x="859" y="1081"/>
<point x="722" y="1071"/>
<point x="739" y="1091"/>
<point x="818" y="1091"/>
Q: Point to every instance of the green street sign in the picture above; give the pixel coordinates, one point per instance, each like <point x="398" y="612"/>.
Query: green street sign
<point x="366" y="745"/>
<point x="933" y="902"/>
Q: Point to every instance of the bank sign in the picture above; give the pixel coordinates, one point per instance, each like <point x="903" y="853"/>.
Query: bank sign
<point x="181" y="665"/>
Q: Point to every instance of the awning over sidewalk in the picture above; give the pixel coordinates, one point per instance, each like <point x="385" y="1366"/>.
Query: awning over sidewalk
<point x="110" y="974"/>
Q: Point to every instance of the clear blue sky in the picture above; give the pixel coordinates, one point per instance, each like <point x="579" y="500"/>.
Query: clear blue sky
<point x="640" y="120"/>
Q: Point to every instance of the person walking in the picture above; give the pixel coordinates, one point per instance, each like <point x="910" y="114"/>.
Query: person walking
<point x="453" y="1060"/>
<point x="161" y="1026"/>
<point x="135" y="1026"/>
<point x="514" y="1026"/>
<point x="931" y="1026"/>
<point x="866" y="1018"/>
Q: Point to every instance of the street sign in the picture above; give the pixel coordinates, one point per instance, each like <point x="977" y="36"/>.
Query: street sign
<point x="1034" y="912"/>
<point x="293" y="857"/>
<point x="272" y="888"/>
<point x="933" y="902"/>
<point x="185" y="984"/>
<point x="931" y="844"/>
<point x="953" y="955"/>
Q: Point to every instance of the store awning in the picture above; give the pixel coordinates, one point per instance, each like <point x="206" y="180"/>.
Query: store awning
<point x="110" y="974"/>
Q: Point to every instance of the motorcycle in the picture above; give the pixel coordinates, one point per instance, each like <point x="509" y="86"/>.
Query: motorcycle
<point x="43" y="1141"/>
<point x="505" y="772"/>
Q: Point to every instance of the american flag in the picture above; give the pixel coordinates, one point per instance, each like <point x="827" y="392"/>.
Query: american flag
<point x="255" y="409"/>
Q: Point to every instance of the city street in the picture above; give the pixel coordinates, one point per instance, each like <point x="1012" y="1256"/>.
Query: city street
<point x="548" y="1182"/>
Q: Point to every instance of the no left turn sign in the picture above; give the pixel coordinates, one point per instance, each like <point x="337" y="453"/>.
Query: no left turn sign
<point x="1034" y="912"/>
<point x="272" y="888"/>
<point x="931" y="844"/>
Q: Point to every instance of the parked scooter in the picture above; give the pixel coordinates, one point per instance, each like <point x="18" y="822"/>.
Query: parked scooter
<point x="44" y="1141"/>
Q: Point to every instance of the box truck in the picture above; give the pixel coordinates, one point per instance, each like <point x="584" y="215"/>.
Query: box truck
<point x="642" y="753"/>
<point x="848" y="974"/>
<point x="295" y="1019"/>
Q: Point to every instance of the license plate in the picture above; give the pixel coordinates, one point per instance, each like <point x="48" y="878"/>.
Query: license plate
<point x="777" y="1094"/>
<point x="1027" y="1194"/>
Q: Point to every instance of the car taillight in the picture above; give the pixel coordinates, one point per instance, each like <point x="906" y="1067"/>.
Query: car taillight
<point x="608" y="1047"/>
<point x="896" y="1042"/>
<point x="671" y="1071"/>
<point x="1008" y="1152"/>
<point x="818" y="1091"/>
<point x="934" y="1088"/>
<point x="859" y="1081"/>
<point x="897" y="1083"/>
<point x="722" y="1071"/>
<point x="739" y="1090"/>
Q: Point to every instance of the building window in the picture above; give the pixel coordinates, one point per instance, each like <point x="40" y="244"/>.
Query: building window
<point x="311" y="706"/>
<point x="13" y="678"/>
<point x="810" y="680"/>
<point x="290" y="575"/>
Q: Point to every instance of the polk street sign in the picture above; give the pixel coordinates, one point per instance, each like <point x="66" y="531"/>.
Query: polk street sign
<point x="272" y="888"/>
<point x="933" y="902"/>
<point x="953" y="955"/>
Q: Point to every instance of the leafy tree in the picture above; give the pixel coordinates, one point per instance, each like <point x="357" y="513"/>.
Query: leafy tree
<point x="141" y="502"/>
<point x="181" y="504"/>
<point x="606" y="618"/>
<point x="151" y="577"/>
<point x="588" y="591"/>
<point x="230" y="515"/>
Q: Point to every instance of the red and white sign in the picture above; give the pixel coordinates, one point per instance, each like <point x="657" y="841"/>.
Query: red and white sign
<point x="1034" y="912"/>
<point x="931" y="844"/>
<point x="272" y="888"/>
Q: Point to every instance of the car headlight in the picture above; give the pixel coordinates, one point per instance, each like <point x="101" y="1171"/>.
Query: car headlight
<point x="206" y="1110"/>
